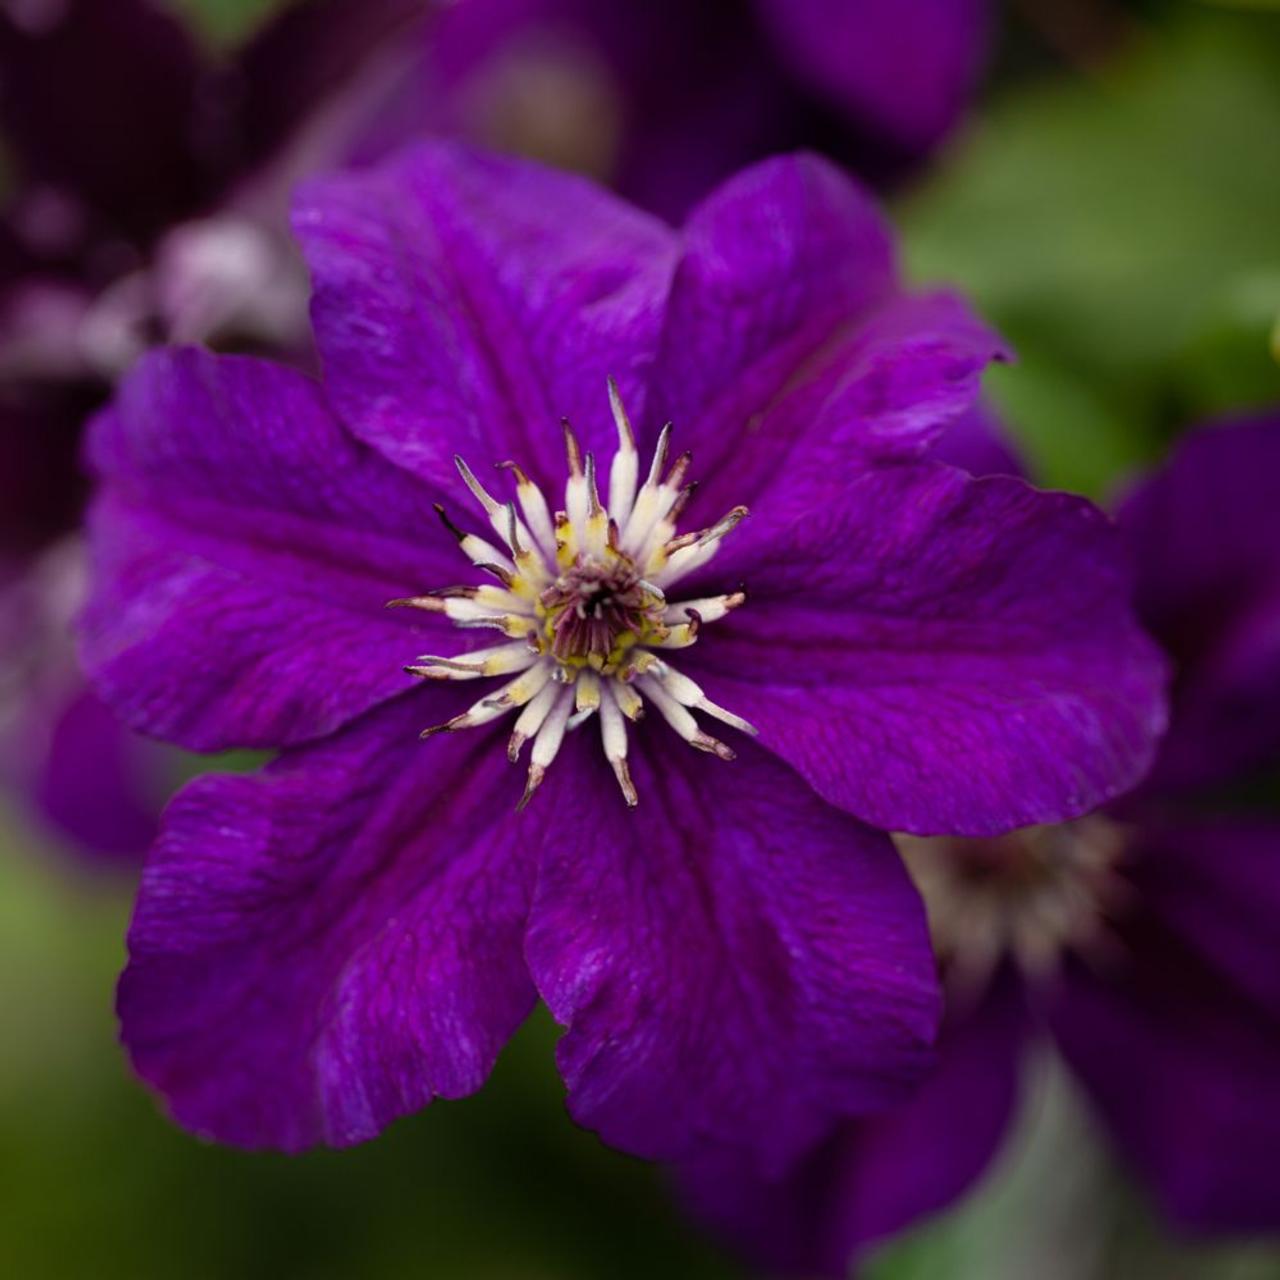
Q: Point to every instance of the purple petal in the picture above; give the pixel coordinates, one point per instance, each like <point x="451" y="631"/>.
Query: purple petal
<point x="788" y="357"/>
<point x="771" y="260"/>
<point x="330" y="945"/>
<point x="98" y="783"/>
<point x="736" y="962"/>
<point x="1182" y="1070"/>
<point x="466" y="303"/>
<point x="1216" y="884"/>
<point x="905" y="66"/>
<point x="1206" y="542"/>
<point x="876" y="1176"/>
<point x="943" y="655"/>
<point x="64" y="756"/>
<point x="244" y="550"/>
<point x="978" y="443"/>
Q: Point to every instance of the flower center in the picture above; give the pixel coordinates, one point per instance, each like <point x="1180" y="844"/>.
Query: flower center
<point x="583" y="601"/>
<point x="597" y="611"/>
<point x="1029" y="896"/>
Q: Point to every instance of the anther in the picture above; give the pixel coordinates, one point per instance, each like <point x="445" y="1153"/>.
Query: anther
<point x="428" y="603"/>
<point x="571" y="448"/>
<point x="482" y="495"/>
<point x="448" y="524"/>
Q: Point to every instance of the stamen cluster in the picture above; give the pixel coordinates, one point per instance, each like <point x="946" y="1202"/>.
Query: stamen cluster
<point x="1030" y="896"/>
<point x="582" y="598"/>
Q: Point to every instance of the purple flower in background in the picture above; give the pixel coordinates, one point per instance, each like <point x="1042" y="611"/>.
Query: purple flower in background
<point x="666" y="98"/>
<point x="1142" y="939"/>
<point x="61" y="751"/>
<point x="142" y="172"/>
<point x="148" y="200"/>
<point x="737" y="958"/>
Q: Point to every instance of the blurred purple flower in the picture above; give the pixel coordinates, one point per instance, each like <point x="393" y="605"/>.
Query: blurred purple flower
<point x="1142" y="940"/>
<point x="666" y="98"/>
<point x="149" y="196"/>
<point x="65" y="757"/>
<point x="360" y="928"/>
<point x="148" y="202"/>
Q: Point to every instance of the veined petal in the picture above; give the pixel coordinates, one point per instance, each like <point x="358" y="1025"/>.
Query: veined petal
<point x="770" y="261"/>
<point x="789" y="356"/>
<point x="466" y="303"/>
<point x="873" y="1177"/>
<point x="944" y="655"/>
<point x="244" y="549"/>
<point x="735" y="961"/>
<point x="329" y="945"/>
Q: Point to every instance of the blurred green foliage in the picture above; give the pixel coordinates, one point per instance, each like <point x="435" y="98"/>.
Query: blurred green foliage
<point x="1123" y="231"/>
<point x="226" y="21"/>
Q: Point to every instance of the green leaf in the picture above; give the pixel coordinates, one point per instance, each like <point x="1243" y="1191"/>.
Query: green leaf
<point x="226" y="22"/>
<point x="1234" y="361"/>
<point x="1106" y="224"/>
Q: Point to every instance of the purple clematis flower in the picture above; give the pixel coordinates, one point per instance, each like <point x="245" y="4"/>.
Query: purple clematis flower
<point x="1141" y="938"/>
<point x="666" y="98"/>
<point x="737" y="953"/>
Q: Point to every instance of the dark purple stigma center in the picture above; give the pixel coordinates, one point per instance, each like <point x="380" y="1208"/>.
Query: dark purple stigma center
<point x="593" y="608"/>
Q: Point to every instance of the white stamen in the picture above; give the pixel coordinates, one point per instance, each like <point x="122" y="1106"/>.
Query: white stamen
<point x="478" y="551"/>
<point x="497" y="660"/>
<point x="613" y="736"/>
<point x="679" y="637"/>
<point x="580" y="717"/>
<point x="582" y="597"/>
<point x="629" y="701"/>
<point x="487" y="604"/>
<point x="595" y="532"/>
<point x="680" y="719"/>
<point x="536" y="513"/>
<point x="699" y="550"/>
<point x="547" y="745"/>
<point x="490" y="504"/>
<point x="626" y="462"/>
<point x="708" y="608"/>
<point x="529" y="721"/>
<point x="587" y="691"/>
<point x="717" y="712"/>
<point x="551" y="735"/>
<point x="521" y="689"/>
<point x="648" y="504"/>
<point x="502" y="519"/>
